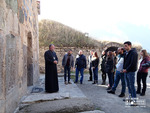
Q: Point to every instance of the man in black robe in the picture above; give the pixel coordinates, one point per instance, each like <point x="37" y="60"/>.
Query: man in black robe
<point x="51" y="76"/>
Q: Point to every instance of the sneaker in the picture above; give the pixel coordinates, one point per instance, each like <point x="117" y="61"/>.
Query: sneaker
<point x="133" y="103"/>
<point x="75" y="82"/>
<point x="122" y="95"/>
<point x="112" y="92"/>
<point x="69" y="82"/>
<point x="127" y="99"/>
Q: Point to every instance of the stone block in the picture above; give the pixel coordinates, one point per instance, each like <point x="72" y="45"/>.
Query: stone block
<point x="9" y="21"/>
<point x="21" y="16"/>
<point x="12" y="4"/>
<point x="11" y="62"/>
<point x="2" y="106"/>
<point x="1" y="67"/>
<point x="15" y="24"/>
<point x="2" y="22"/>
<point x="12" y="100"/>
<point x="45" y="97"/>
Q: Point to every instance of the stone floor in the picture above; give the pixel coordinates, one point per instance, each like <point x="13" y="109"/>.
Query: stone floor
<point x="84" y="98"/>
<point x="110" y="103"/>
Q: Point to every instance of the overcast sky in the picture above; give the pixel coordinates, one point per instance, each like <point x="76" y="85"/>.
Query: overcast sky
<point x="113" y="20"/>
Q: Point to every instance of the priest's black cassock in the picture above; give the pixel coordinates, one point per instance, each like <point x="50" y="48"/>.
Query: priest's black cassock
<point x="51" y="76"/>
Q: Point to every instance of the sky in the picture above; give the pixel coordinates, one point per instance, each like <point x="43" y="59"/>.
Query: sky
<point x="113" y="20"/>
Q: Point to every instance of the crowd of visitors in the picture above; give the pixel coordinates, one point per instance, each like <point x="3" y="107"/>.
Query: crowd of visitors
<point x="119" y="65"/>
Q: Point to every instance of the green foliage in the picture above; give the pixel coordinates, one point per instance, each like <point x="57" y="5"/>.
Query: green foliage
<point x="51" y="32"/>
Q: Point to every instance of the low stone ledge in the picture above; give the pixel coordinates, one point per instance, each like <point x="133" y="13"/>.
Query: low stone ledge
<point x="37" y="98"/>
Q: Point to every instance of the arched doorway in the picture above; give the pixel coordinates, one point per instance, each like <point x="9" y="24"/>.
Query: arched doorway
<point x="111" y="49"/>
<point x="29" y="60"/>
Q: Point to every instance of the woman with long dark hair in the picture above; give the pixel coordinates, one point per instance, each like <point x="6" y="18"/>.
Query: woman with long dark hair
<point x="103" y="67"/>
<point x="109" y="68"/>
<point x="142" y="73"/>
<point x="95" y="62"/>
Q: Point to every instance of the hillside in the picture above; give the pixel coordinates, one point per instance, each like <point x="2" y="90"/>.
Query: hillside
<point x="63" y="36"/>
<point x="52" y="32"/>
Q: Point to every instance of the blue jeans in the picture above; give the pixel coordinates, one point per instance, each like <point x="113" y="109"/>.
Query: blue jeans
<point x="95" y="71"/>
<point x="110" y="77"/>
<point x="116" y="82"/>
<point x="130" y="79"/>
<point x="67" y="68"/>
<point x="77" y="74"/>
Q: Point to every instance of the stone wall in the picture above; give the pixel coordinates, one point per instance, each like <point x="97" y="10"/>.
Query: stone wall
<point x="61" y="51"/>
<point x="19" y="49"/>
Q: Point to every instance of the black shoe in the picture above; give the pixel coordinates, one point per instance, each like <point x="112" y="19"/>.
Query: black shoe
<point x="75" y="82"/>
<point x="69" y="82"/>
<point x="109" y="88"/>
<point x="112" y="92"/>
<point x="65" y="82"/>
<point x="142" y="94"/>
<point x="138" y="92"/>
<point x="122" y="95"/>
<point x="89" y="80"/>
<point x="94" y="83"/>
<point x="103" y="83"/>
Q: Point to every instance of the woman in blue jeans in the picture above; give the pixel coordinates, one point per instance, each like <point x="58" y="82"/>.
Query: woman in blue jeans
<point x="142" y="73"/>
<point x="109" y="68"/>
<point x="95" y="62"/>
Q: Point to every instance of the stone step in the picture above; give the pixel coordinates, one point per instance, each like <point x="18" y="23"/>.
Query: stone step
<point x="68" y="99"/>
<point x="59" y="106"/>
<point x="95" y="111"/>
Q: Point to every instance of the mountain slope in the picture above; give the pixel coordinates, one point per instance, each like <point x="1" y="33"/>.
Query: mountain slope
<point x="63" y="36"/>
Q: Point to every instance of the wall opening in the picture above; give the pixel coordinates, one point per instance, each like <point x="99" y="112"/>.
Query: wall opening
<point x="112" y="49"/>
<point x="29" y="60"/>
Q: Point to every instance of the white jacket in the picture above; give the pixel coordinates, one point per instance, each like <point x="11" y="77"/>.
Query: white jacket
<point x="119" y="65"/>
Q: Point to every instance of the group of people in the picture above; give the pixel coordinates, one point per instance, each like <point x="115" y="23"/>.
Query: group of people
<point x="122" y="66"/>
<point x="80" y="65"/>
<point x="125" y="70"/>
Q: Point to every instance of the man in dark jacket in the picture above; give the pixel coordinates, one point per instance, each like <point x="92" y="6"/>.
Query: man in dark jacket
<point x="129" y="68"/>
<point x="80" y="66"/>
<point x="51" y="76"/>
<point x="67" y="63"/>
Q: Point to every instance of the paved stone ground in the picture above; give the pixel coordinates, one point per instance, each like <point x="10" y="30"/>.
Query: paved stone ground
<point x="110" y="103"/>
<point x="69" y="99"/>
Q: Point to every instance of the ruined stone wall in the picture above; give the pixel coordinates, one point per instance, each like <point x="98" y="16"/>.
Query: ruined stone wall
<point x="61" y="51"/>
<point x="18" y="51"/>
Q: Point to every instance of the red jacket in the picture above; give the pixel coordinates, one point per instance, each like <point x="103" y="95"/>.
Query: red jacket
<point x="144" y="69"/>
